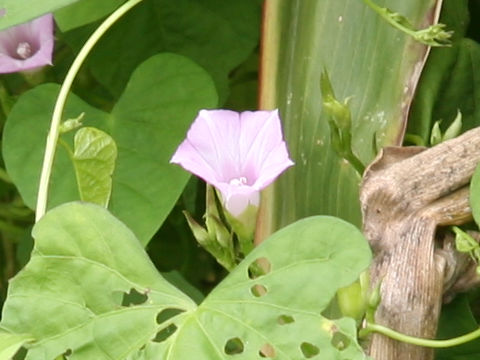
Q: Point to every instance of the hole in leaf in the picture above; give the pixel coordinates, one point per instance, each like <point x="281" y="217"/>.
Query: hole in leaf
<point x="285" y="319"/>
<point x="309" y="350"/>
<point x="233" y="346"/>
<point x="167" y="314"/>
<point x="267" y="351"/>
<point x="134" y="298"/>
<point x="259" y="267"/>
<point x="258" y="290"/>
<point x="21" y="354"/>
<point x="165" y="333"/>
<point x="340" y="341"/>
<point x="65" y="355"/>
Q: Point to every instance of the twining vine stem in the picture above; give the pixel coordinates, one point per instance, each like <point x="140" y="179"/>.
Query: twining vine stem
<point x="53" y="134"/>
<point x="419" y="341"/>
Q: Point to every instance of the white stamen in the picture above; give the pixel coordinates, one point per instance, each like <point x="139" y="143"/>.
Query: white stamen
<point x="239" y="181"/>
<point x="24" y="50"/>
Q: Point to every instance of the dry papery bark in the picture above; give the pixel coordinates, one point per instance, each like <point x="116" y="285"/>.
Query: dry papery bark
<point x="407" y="193"/>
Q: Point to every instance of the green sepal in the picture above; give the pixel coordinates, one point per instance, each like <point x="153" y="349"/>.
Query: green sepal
<point x="244" y="226"/>
<point x="71" y="124"/>
<point x="199" y="233"/>
<point x="436" y="134"/>
<point x="464" y="242"/>
<point x="455" y="127"/>
<point x="353" y="299"/>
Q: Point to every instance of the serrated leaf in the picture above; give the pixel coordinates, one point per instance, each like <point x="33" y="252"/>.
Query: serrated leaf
<point x="20" y="11"/>
<point x="11" y="343"/>
<point x="90" y="261"/>
<point x="149" y="121"/>
<point x="94" y="156"/>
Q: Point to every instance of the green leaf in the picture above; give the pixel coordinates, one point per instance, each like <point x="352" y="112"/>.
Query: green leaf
<point x="368" y="61"/>
<point x="463" y="241"/>
<point x="434" y="35"/>
<point x="10" y="343"/>
<point x="449" y="78"/>
<point x="72" y="294"/>
<point x="455" y="128"/>
<point x="475" y="195"/>
<point x="94" y="158"/>
<point x="148" y="123"/>
<point x="281" y="308"/>
<point x="84" y="12"/>
<point x="105" y="300"/>
<point x="218" y="35"/>
<point x="456" y="320"/>
<point x="20" y="11"/>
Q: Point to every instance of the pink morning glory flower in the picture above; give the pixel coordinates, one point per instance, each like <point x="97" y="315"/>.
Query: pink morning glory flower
<point x="238" y="153"/>
<point x="27" y="46"/>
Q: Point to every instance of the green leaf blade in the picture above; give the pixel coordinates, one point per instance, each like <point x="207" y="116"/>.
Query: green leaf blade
<point x="95" y="153"/>
<point x="11" y="343"/>
<point x="148" y="123"/>
<point x="90" y="261"/>
<point x="368" y="61"/>
<point x="294" y="253"/>
<point x="21" y="11"/>
<point x="475" y="195"/>
<point x="84" y="12"/>
<point x="71" y="295"/>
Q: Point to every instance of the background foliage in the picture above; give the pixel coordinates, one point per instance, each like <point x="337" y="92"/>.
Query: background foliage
<point x="143" y="84"/>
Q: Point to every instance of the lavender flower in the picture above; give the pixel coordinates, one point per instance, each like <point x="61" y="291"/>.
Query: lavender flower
<point x="27" y="46"/>
<point x="238" y="153"/>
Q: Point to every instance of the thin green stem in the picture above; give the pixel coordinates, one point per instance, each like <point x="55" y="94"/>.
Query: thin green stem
<point x="434" y="35"/>
<point x="380" y="11"/>
<point x="53" y="134"/>
<point x="419" y="341"/>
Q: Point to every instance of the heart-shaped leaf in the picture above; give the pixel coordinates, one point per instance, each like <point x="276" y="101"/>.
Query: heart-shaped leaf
<point x="84" y="266"/>
<point x="90" y="290"/>
<point x="94" y="158"/>
<point x="148" y="122"/>
<point x="218" y="35"/>
<point x="20" y="11"/>
<point x="84" y="12"/>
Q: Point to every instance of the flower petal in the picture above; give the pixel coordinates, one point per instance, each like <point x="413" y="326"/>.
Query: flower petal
<point x="236" y="199"/>
<point x="239" y="154"/>
<point x="264" y="152"/>
<point x="214" y="137"/>
<point x="37" y="35"/>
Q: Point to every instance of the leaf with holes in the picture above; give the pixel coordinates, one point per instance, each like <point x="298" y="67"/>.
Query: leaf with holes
<point x="89" y="288"/>
<point x="10" y="343"/>
<point x="270" y="305"/>
<point x="94" y="158"/>
<point x="91" y="292"/>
